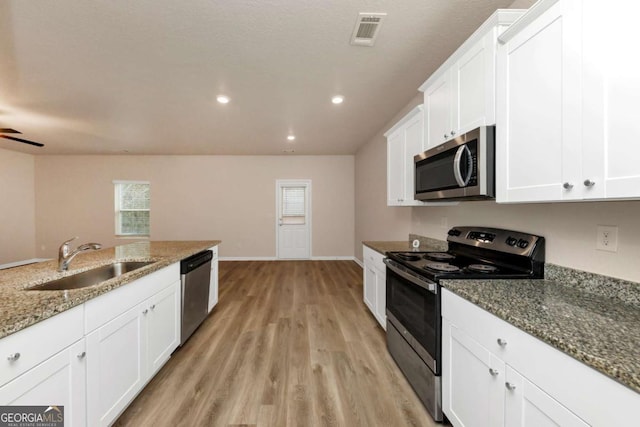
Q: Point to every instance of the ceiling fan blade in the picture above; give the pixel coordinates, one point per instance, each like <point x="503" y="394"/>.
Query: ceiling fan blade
<point x="25" y="141"/>
<point x="8" y="130"/>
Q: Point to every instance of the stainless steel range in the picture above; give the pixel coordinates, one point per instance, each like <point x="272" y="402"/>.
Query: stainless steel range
<point x="413" y="295"/>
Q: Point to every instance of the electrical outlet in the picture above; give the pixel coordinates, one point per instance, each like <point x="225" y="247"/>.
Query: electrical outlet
<point x="607" y="238"/>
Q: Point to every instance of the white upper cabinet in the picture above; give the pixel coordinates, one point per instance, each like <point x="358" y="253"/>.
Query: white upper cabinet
<point x="611" y="98"/>
<point x="460" y="95"/>
<point x="567" y="92"/>
<point x="404" y="141"/>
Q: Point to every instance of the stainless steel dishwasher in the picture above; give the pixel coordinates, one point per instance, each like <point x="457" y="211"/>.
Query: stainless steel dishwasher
<point x="195" y="275"/>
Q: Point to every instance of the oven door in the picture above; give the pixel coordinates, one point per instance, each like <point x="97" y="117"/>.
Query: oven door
<point x="413" y="306"/>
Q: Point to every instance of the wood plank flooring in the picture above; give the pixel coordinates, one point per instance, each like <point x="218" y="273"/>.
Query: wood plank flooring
<point x="290" y="343"/>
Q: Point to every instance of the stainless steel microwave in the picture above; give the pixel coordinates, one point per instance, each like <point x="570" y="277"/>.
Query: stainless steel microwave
<point x="462" y="168"/>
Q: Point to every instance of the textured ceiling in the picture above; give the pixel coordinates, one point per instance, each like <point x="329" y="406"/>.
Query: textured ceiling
<point x="109" y="76"/>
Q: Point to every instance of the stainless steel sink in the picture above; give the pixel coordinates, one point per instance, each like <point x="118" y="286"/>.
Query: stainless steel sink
<point x="91" y="277"/>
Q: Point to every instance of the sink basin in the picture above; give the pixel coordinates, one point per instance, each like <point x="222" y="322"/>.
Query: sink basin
<point x="91" y="277"/>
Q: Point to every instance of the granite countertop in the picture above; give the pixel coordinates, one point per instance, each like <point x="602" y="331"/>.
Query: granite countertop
<point x="595" y="325"/>
<point x="20" y="308"/>
<point x="426" y="245"/>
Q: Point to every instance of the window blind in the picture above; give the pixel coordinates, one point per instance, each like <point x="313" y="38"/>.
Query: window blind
<point x="293" y="203"/>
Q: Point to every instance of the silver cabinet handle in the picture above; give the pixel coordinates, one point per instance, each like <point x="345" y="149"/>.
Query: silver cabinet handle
<point x="589" y="183"/>
<point x="82" y="355"/>
<point x="446" y="136"/>
<point x="13" y="357"/>
<point x="493" y="372"/>
<point x="510" y="386"/>
<point x="453" y="132"/>
<point x="567" y="186"/>
<point x="153" y="306"/>
<point x="501" y="342"/>
<point x="145" y="311"/>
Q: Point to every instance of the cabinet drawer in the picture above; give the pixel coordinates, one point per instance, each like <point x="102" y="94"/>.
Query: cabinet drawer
<point x="102" y="309"/>
<point x="38" y="342"/>
<point x="373" y="258"/>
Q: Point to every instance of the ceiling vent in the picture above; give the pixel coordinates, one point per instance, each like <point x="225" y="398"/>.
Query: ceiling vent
<point x="367" y="28"/>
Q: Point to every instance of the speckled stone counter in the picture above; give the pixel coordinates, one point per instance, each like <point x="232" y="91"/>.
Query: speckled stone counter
<point x="20" y="308"/>
<point x="598" y="325"/>
<point x="426" y="244"/>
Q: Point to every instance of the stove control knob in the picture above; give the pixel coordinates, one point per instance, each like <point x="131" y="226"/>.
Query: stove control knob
<point x="522" y="244"/>
<point x="511" y="241"/>
<point x="454" y="232"/>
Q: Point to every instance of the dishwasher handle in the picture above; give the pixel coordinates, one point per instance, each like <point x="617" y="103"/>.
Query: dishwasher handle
<point x="195" y="261"/>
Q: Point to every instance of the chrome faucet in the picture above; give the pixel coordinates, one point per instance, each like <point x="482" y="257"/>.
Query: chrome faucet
<point x="65" y="256"/>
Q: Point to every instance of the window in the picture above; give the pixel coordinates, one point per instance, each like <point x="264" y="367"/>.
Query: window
<point x="132" y="206"/>
<point x="293" y="205"/>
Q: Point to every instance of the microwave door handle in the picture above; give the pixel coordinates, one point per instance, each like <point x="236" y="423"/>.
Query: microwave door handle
<point x="457" y="161"/>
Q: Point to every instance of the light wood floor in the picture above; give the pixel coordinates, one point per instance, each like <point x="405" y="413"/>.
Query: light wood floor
<point x="290" y="343"/>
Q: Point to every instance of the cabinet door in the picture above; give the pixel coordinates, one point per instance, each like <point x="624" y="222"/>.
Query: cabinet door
<point x="473" y="86"/>
<point x="414" y="144"/>
<point x="395" y="168"/>
<point x="538" y="109"/>
<point x="472" y="381"/>
<point x="437" y="111"/>
<point x="162" y="327"/>
<point x="115" y="366"/>
<point x="528" y="406"/>
<point x="58" y="381"/>
<point x="611" y="99"/>
<point x="213" y="286"/>
<point x="370" y="285"/>
<point x="381" y="298"/>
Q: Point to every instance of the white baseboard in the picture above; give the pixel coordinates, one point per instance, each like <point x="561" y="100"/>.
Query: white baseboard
<point x="357" y="261"/>
<point x="269" y="258"/>
<point x="332" y="258"/>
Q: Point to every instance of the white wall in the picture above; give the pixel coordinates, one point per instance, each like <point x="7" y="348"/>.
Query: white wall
<point x="17" y="206"/>
<point x="229" y="198"/>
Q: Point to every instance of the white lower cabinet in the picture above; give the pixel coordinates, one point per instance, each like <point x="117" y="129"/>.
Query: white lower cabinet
<point x="472" y="389"/>
<point x="374" y="284"/>
<point x="495" y="375"/>
<point x="115" y="367"/>
<point x="57" y="381"/>
<point x="213" y="285"/>
<point x="528" y="406"/>
<point x="125" y="353"/>
<point x="95" y="358"/>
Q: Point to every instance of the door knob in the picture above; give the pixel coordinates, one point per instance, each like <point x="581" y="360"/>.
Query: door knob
<point x="501" y="342"/>
<point x="567" y="186"/>
<point x="510" y="386"/>
<point x="82" y="355"/>
<point x="13" y="357"/>
<point x="589" y="183"/>
<point x="493" y="372"/>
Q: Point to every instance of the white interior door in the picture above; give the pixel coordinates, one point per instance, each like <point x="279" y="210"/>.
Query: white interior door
<point x="293" y="219"/>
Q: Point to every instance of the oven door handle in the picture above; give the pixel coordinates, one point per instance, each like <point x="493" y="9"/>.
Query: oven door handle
<point x="457" y="162"/>
<point x="429" y="286"/>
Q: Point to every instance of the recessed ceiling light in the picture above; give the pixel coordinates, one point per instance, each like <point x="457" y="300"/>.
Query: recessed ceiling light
<point x="291" y="137"/>
<point x="338" y="99"/>
<point x="223" y="99"/>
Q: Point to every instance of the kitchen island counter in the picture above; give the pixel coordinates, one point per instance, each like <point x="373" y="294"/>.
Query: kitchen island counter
<point x="20" y="307"/>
